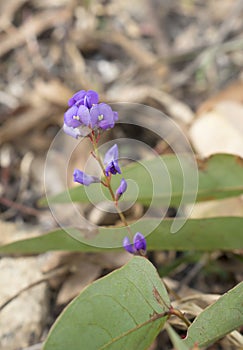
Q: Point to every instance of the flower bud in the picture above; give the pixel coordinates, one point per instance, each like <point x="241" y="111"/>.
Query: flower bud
<point x="84" y="179"/>
<point x="121" y="189"/>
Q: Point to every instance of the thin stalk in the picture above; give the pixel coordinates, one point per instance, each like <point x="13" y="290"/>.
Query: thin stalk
<point x="108" y="184"/>
<point x="180" y="315"/>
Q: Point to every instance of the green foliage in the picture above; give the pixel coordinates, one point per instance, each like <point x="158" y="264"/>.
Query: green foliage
<point x="219" y="319"/>
<point x="175" y="339"/>
<point x="215" y="181"/>
<point x="223" y="233"/>
<point x="124" y="310"/>
<point x="120" y="311"/>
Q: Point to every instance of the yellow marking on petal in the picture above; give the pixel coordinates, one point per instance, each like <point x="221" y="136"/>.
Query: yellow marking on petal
<point x="100" y="117"/>
<point x="76" y="117"/>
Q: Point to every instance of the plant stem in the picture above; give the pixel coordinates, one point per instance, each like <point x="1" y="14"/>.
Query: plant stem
<point x="108" y="182"/>
<point x="180" y="315"/>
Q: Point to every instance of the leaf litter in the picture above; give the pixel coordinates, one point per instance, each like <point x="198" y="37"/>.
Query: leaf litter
<point x="186" y="62"/>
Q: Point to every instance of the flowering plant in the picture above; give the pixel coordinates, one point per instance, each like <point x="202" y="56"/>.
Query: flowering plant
<point x="86" y="116"/>
<point x="129" y="307"/>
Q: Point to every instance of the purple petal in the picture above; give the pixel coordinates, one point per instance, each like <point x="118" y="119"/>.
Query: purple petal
<point x="122" y="188"/>
<point x="91" y="98"/>
<point x="111" y="154"/>
<point x="98" y="112"/>
<point x="71" y="117"/>
<point x="74" y="132"/>
<point x="112" y="168"/>
<point x="78" y="96"/>
<point x="84" y="179"/>
<point x="108" y="120"/>
<point x="128" y="246"/>
<point x="104" y="115"/>
<point x="111" y="161"/>
<point x="139" y="242"/>
<point x="84" y="115"/>
<point x="84" y="98"/>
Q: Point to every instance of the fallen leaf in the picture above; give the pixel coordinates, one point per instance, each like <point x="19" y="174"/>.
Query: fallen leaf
<point x="219" y="131"/>
<point x="233" y="92"/>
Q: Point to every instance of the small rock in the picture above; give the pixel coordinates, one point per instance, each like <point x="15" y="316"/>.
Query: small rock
<point x="23" y="318"/>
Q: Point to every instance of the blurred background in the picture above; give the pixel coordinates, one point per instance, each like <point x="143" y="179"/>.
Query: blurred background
<point x="184" y="58"/>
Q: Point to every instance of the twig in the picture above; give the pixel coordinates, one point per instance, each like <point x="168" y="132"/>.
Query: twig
<point x="22" y="208"/>
<point x="33" y="27"/>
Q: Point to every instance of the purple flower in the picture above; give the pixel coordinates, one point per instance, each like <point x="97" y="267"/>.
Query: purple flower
<point x="84" y="179"/>
<point x="75" y="120"/>
<point x="74" y="132"/>
<point x="85" y="98"/>
<point x="104" y="116"/>
<point x="76" y="117"/>
<point x="128" y="245"/>
<point x="81" y="131"/>
<point x="139" y="244"/>
<point x="85" y="112"/>
<point x="86" y="117"/>
<point x="121" y="189"/>
<point x="111" y="161"/>
<point x="72" y="118"/>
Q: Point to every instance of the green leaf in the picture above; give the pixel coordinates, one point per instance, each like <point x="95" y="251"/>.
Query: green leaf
<point x="218" y="319"/>
<point x="119" y="311"/>
<point x="176" y="340"/>
<point x="224" y="233"/>
<point x="162" y="178"/>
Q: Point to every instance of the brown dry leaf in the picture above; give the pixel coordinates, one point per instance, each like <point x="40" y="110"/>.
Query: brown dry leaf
<point x="233" y="92"/>
<point x="82" y="271"/>
<point x="195" y="302"/>
<point x="220" y="130"/>
<point x="75" y="263"/>
<point x="233" y="341"/>
<point x="85" y="268"/>
<point x="224" y="207"/>
<point x="10" y="232"/>
<point x="86" y="273"/>
<point x="55" y="259"/>
<point x="110" y="260"/>
<point x="193" y="305"/>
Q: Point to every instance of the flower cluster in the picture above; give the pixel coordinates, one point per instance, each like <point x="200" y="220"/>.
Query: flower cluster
<point x="86" y="114"/>
<point x="87" y="117"/>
